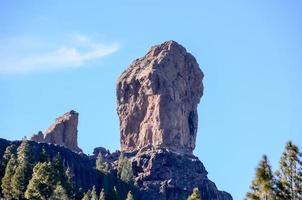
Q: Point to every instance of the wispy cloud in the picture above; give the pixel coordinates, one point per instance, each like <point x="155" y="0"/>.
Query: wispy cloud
<point x="23" y="54"/>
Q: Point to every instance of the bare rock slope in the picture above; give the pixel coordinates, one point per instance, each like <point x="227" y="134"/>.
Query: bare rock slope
<point x="157" y="100"/>
<point x="63" y="132"/>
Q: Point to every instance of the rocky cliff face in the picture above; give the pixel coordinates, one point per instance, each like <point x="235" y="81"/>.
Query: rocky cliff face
<point x="157" y="100"/>
<point x="165" y="175"/>
<point x="63" y="132"/>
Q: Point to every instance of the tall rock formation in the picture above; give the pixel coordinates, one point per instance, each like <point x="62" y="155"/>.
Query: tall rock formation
<point x="157" y="100"/>
<point x="63" y="132"/>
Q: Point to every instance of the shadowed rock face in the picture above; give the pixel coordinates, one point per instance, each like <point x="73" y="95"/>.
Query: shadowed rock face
<point x="63" y="132"/>
<point x="165" y="175"/>
<point x="82" y="166"/>
<point x="157" y="100"/>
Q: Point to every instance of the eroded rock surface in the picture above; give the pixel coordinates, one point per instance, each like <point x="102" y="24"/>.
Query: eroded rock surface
<point x="165" y="175"/>
<point x="157" y="100"/>
<point x="63" y="132"/>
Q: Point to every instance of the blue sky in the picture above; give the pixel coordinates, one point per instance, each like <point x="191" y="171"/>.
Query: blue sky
<point x="59" y="56"/>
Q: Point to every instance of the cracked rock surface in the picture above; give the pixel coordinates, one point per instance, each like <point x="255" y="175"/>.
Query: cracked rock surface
<point x="157" y="100"/>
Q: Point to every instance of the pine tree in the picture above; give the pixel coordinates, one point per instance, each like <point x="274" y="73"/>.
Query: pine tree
<point x="120" y="164"/>
<point x="42" y="183"/>
<point x="129" y="196"/>
<point x="61" y="176"/>
<point x="289" y="180"/>
<point x="102" y="195"/>
<point x="59" y="193"/>
<point x="262" y="185"/>
<point x="9" y="151"/>
<point x="125" y="169"/>
<point x="94" y="196"/>
<point x="100" y="164"/>
<point x="6" y="180"/>
<point x="87" y="195"/>
<point x="23" y="170"/>
<point x="195" y="195"/>
<point x="58" y="169"/>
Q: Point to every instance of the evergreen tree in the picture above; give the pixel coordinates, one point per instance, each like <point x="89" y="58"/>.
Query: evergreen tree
<point x="61" y="176"/>
<point x="94" y="196"/>
<point x="195" y="195"/>
<point x="289" y="179"/>
<point x="125" y="169"/>
<point x="59" y="193"/>
<point x="120" y="164"/>
<point x="42" y="183"/>
<point x="9" y="151"/>
<point x="129" y="196"/>
<point x="6" y="180"/>
<point x="102" y="194"/>
<point x="58" y="169"/>
<point x="262" y="185"/>
<point x="100" y="164"/>
<point x="87" y="195"/>
<point x="23" y="170"/>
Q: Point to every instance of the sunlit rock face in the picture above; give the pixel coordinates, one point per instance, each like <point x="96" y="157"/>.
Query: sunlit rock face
<point x="63" y="132"/>
<point x="157" y="100"/>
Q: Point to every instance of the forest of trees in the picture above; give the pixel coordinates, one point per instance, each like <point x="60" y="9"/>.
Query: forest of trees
<point x="285" y="183"/>
<point x="24" y="178"/>
<point x="45" y="178"/>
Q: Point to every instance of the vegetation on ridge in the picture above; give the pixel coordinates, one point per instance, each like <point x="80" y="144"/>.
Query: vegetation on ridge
<point x="285" y="183"/>
<point x="25" y="176"/>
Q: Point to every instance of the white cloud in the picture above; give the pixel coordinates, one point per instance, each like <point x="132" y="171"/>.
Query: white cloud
<point x="17" y="55"/>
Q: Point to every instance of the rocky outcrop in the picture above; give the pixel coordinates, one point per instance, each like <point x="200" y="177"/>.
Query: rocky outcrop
<point x="165" y="175"/>
<point x="63" y="132"/>
<point x="157" y="100"/>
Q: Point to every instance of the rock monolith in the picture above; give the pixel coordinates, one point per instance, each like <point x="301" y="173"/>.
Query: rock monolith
<point x="157" y="100"/>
